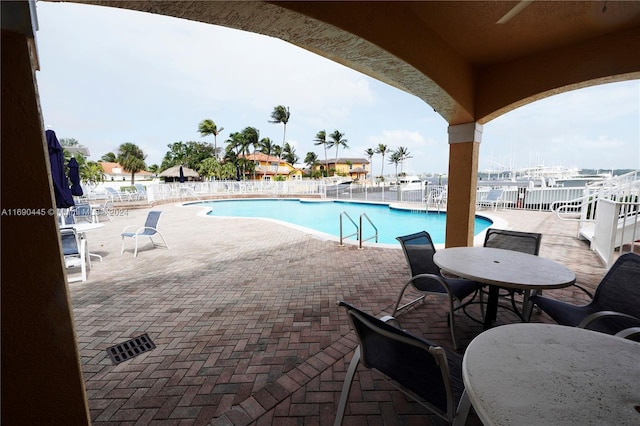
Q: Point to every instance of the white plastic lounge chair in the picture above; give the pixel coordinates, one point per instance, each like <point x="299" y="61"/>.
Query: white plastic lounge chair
<point x="149" y="230"/>
<point x="74" y="252"/>
<point x="493" y="198"/>
<point x="117" y="195"/>
<point x="141" y="192"/>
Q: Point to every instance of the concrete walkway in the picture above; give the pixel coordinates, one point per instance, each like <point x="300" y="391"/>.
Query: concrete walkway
<point x="244" y="316"/>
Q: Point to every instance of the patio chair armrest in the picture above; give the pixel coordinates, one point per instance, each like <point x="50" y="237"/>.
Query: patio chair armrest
<point x="433" y="277"/>
<point x="130" y="227"/>
<point x="628" y="332"/>
<point x="603" y="314"/>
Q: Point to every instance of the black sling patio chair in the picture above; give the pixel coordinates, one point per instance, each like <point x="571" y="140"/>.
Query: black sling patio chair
<point x="523" y="242"/>
<point x="425" y="277"/>
<point x="615" y="305"/>
<point x="425" y="372"/>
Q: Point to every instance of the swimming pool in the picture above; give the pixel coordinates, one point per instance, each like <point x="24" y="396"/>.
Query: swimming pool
<point x="324" y="216"/>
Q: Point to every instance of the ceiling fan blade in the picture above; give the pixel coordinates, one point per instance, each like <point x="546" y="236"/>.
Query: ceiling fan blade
<point x="513" y="12"/>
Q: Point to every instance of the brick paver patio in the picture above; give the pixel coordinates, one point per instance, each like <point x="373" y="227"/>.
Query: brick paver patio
<point x="244" y="316"/>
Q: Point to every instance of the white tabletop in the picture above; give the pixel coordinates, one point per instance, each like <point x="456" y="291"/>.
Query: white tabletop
<point x="505" y="268"/>
<point x="83" y="226"/>
<point x="543" y="374"/>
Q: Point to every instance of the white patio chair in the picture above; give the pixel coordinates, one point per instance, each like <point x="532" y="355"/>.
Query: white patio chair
<point x="493" y="198"/>
<point x="149" y="230"/>
<point x="75" y="254"/>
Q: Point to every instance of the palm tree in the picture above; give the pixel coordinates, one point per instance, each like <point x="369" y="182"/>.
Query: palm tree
<point x="281" y="114"/>
<point x="311" y="159"/>
<point x="109" y="157"/>
<point x="236" y="145"/>
<point x="369" y="152"/>
<point x="252" y="138"/>
<point x="208" y="127"/>
<point x="338" y="141"/>
<point x="289" y="154"/>
<point x="403" y="154"/>
<point x="321" y="139"/>
<point x="266" y="147"/>
<point x="131" y="158"/>
<point x="381" y="149"/>
<point x="92" y="172"/>
<point x="396" y="159"/>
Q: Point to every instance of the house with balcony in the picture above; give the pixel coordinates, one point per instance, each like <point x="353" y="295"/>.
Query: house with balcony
<point x="355" y="168"/>
<point x="269" y="167"/>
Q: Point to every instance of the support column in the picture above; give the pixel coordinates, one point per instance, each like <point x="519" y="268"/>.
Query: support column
<point x="41" y="373"/>
<point x="464" y="148"/>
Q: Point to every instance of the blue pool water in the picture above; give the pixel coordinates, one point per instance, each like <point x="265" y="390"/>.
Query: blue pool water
<point x="324" y="216"/>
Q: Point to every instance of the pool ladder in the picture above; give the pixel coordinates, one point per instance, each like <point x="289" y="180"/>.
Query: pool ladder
<point x="358" y="232"/>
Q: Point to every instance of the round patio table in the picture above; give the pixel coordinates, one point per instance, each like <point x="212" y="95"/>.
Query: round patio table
<point x="504" y="268"/>
<point x="546" y="374"/>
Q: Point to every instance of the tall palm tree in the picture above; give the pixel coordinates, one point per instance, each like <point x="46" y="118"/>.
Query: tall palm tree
<point x="252" y="139"/>
<point x="338" y="141"/>
<point x="131" y="158"/>
<point x="381" y="149"/>
<point x="281" y="114"/>
<point x="403" y="154"/>
<point x="236" y="146"/>
<point x="321" y="139"/>
<point x="396" y="159"/>
<point x="266" y="147"/>
<point x="208" y="127"/>
<point x="369" y="152"/>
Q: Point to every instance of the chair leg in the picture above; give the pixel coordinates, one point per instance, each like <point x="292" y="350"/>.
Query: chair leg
<point x="452" y="325"/>
<point x="462" y="413"/>
<point x="122" y="249"/>
<point x="346" y="387"/>
<point x="398" y="307"/>
<point x="135" y="251"/>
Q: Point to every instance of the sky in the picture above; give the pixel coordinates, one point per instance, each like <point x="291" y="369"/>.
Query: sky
<point x="110" y="76"/>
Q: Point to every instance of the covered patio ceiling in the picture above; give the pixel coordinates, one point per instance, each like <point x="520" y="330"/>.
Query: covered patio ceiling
<point x="471" y="61"/>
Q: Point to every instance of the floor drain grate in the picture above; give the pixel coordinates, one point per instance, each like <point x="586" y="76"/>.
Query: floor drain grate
<point x="130" y="348"/>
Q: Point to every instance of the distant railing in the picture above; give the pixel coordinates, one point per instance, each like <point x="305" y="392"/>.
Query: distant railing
<point x="200" y="190"/>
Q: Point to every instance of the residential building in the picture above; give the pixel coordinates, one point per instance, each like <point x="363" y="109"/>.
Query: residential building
<point x="114" y="172"/>
<point x="355" y="168"/>
<point x="269" y="166"/>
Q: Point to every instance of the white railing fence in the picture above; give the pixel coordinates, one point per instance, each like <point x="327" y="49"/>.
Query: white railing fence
<point x="616" y="227"/>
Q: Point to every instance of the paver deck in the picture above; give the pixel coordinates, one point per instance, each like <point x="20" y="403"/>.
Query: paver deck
<point x="244" y="316"/>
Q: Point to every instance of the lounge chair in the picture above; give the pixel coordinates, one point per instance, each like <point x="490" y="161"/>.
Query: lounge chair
<point x="420" y="369"/>
<point x="75" y="253"/>
<point x="141" y="192"/>
<point x="492" y="199"/>
<point x="615" y="305"/>
<point x="149" y="230"/>
<point x="426" y="278"/>
<point x="117" y="195"/>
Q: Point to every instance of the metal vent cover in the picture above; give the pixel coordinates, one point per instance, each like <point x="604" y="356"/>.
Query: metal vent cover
<point x="129" y="349"/>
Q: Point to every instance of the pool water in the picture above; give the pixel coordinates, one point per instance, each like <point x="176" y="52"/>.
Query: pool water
<point x="324" y="216"/>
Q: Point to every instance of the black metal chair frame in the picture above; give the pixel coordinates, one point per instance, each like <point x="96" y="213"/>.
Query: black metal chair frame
<point x="430" y="382"/>
<point x="432" y="282"/>
<point x="615" y="307"/>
